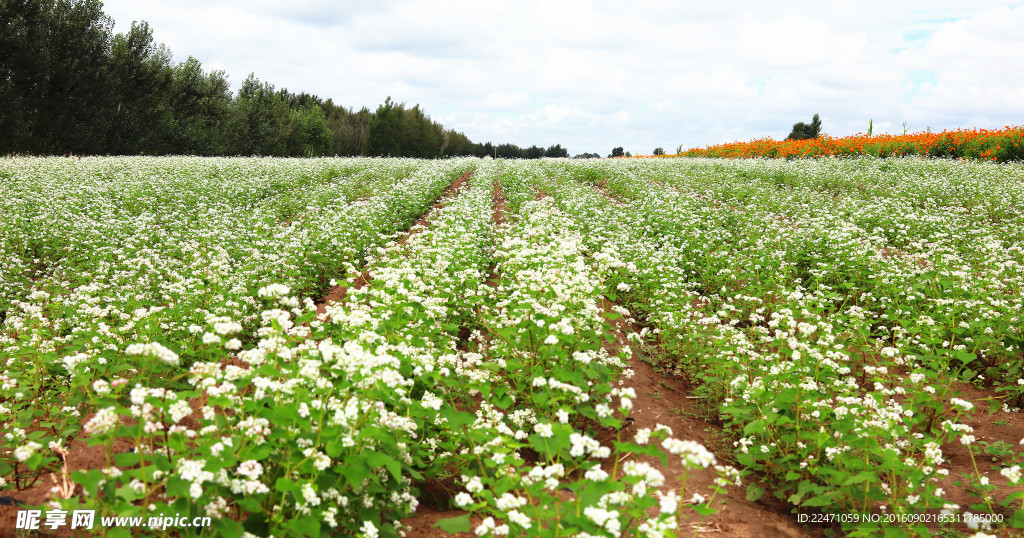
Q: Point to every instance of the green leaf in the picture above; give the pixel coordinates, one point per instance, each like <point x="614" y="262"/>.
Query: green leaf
<point x="256" y="524"/>
<point x="284" y="485"/>
<point x="379" y="459"/>
<point x="126" y="459"/>
<point x="703" y="509"/>
<point x="754" y="493"/>
<point x="305" y="525"/>
<point x="119" y="532"/>
<point x="1012" y="497"/>
<point x="127" y="493"/>
<point x="454" y="525"/>
<point x="860" y="477"/>
<point x="176" y="487"/>
<point x="355" y="471"/>
<point x="756" y="426"/>
<point x="994" y="405"/>
<point x="1017" y="519"/>
<point x="820" y="500"/>
<point x="456" y="418"/>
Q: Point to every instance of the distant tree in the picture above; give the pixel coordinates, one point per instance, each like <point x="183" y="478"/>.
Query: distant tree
<point x="348" y="129"/>
<point x="659" y="151"/>
<point x="140" y="76"/>
<point x="382" y="134"/>
<point x="628" y="154"/>
<point x="262" y="119"/>
<point x="68" y="83"/>
<point x="54" y="82"/>
<point x="617" y="152"/>
<point x="556" y="151"/>
<point x="310" y="133"/>
<point x="508" y="151"/>
<point x="202" y="107"/>
<point x="587" y="156"/>
<point x="805" y="131"/>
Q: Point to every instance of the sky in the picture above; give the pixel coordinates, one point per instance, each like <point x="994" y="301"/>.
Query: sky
<point x="593" y="75"/>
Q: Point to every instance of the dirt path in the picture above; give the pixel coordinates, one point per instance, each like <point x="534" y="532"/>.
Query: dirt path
<point x="666" y="401"/>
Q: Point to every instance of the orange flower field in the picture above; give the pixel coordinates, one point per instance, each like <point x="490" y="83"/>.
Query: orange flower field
<point x="1001" y="145"/>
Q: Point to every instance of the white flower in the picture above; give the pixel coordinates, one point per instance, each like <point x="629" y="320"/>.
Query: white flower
<point x="153" y="349"/>
<point x="519" y="518"/>
<point x="486" y="526"/>
<point x="102" y="422"/>
<point x="430" y="401"/>
<point x="668" y="503"/>
<point x="551" y="340"/>
<point x="596" y="474"/>
<point x="179" y="410"/>
<point x="368" y="529"/>
<point x="26" y="450"/>
<point x="274" y="291"/>
<point x="473" y="485"/>
<point x="309" y="494"/>
<point x="1012" y="474"/>
<point x="250" y="469"/>
<point x="101" y="386"/>
<point x="967" y="406"/>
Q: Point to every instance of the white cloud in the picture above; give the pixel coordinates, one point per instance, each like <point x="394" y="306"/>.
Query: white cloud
<point x="593" y="75"/>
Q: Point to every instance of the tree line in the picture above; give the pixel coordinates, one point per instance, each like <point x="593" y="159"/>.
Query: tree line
<point x="69" y="84"/>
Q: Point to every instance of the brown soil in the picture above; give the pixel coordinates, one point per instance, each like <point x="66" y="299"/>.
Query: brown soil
<point x="500" y="205"/>
<point x="989" y="430"/>
<point x="663" y="400"/>
<point x="79" y="457"/>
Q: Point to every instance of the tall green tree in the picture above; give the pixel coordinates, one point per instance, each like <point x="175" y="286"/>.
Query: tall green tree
<point x="262" y="121"/>
<point x="310" y="133"/>
<point x="806" y="131"/>
<point x="53" y="75"/>
<point x="383" y="130"/>
<point x="556" y="151"/>
<point x="140" y="73"/>
<point x="202" y="105"/>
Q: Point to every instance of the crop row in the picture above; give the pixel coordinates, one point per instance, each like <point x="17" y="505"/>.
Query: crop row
<point x="827" y="329"/>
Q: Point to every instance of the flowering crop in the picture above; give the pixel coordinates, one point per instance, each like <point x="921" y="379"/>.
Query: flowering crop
<point x="1001" y="145"/>
<point x="826" y="310"/>
<point x="828" y="306"/>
